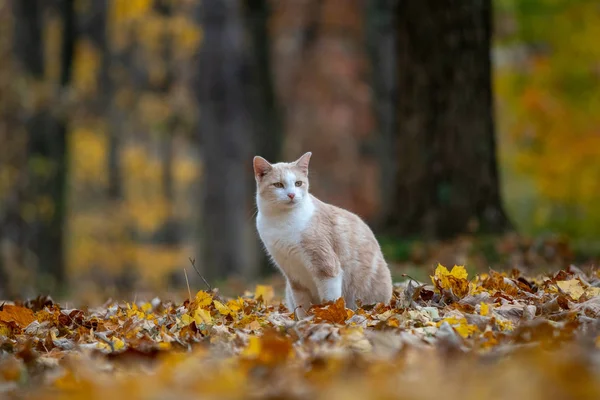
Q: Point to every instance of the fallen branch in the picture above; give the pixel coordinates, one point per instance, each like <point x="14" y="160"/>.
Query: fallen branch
<point x="193" y="262"/>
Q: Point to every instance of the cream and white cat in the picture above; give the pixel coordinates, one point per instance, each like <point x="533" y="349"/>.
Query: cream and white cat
<point x="324" y="252"/>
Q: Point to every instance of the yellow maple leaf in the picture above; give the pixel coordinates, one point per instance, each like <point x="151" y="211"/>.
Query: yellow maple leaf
<point x="186" y="319"/>
<point x="505" y="325"/>
<point x="454" y="280"/>
<point x="485" y="309"/>
<point x="571" y="287"/>
<point x="202" y="316"/>
<point x="203" y="299"/>
<point x="460" y="325"/>
<point x="264" y="291"/>
<point x="221" y="308"/>
<point x="118" y="344"/>
<point x="236" y="305"/>
<point x="592" y="292"/>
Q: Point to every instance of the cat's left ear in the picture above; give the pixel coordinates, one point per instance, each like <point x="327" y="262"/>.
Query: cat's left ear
<point x="261" y="167"/>
<point x="303" y="161"/>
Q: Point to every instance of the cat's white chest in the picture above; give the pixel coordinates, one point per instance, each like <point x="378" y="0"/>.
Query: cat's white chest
<point x="283" y="239"/>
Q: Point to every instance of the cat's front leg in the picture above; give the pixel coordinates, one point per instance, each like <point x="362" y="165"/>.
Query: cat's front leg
<point x="300" y="297"/>
<point x="330" y="288"/>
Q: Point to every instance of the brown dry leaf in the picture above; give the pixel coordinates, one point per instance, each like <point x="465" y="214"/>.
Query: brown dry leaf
<point x="335" y="313"/>
<point x="20" y="315"/>
<point x="496" y="282"/>
<point x="270" y="349"/>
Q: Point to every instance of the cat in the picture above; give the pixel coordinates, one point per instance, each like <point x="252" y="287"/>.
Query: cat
<point x="323" y="251"/>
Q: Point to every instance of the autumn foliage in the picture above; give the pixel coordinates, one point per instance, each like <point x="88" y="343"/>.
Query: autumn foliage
<point x="495" y="335"/>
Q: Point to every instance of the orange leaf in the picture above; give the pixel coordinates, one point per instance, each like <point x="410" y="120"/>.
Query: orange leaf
<point x="335" y="312"/>
<point x="20" y="315"/>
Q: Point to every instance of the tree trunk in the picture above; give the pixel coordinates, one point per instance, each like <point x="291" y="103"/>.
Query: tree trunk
<point x="47" y="134"/>
<point x="265" y="113"/>
<point x="447" y="179"/>
<point x="225" y="139"/>
<point x="268" y="135"/>
<point x="382" y="46"/>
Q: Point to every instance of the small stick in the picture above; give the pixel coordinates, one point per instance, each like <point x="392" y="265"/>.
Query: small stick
<point x="188" y="284"/>
<point x="105" y="340"/>
<point x="193" y="262"/>
<point x="411" y="278"/>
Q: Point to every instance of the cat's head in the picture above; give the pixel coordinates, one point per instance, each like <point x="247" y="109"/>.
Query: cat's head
<point x="282" y="185"/>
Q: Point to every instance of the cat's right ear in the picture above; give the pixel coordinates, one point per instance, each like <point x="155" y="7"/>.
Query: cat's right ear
<point x="261" y="167"/>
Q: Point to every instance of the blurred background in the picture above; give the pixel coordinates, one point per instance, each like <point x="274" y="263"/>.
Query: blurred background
<point x="462" y="132"/>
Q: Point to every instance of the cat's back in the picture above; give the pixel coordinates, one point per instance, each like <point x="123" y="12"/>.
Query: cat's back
<point x="338" y="226"/>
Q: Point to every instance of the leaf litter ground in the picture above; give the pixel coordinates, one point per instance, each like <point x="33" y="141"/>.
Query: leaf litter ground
<point x="492" y="336"/>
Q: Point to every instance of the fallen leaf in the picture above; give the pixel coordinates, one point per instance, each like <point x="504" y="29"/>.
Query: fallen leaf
<point x="20" y="315"/>
<point x="264" y="292"/>
<point x="203" y="299"/>
<point x="334" y="312"/>
<point x="485" y="309"/>
<point x="571" y="287"/>
<point x="221" y="308"/>
<point x="202" y="316"/>
<point x="454" y="280"/>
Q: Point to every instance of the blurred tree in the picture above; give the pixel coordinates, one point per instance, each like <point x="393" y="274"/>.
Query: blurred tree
<point x="225" y="139"/>
<point x="321" y="71"/>
<point x="265" y="112"/>
<point x="47" y="135"/>
<point x="447" y="179"/>
<point x="268" y="135"/>
<point x="382" y="46"/>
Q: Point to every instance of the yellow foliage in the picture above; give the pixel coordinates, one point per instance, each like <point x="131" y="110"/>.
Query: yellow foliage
<point x="485" y="309"/>
<point x="571" y="287"/>
<point x="454" y="280"/>
<point x="461" y="326"/>
<point x="264" y="292"/>
<point x="86" y="65"/>
<point x="222" y="308"/>
<point x="89" y="154"/>
<point x="549" y="122"/>
<point x="203" y="299"/>
<point x="202" y="316"/>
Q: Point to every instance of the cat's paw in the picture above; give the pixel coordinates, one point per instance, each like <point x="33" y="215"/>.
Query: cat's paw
<point x="300" y="313"/>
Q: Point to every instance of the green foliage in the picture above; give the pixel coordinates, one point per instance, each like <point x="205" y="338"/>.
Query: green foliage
<point x="547" y="85"/>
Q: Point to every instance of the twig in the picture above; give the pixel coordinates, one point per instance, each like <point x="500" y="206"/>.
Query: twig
<point x="411" y="278"/>
<point x="193" y="262"/>
<point x="188" y="284"/>
<point x="105" y="340"/>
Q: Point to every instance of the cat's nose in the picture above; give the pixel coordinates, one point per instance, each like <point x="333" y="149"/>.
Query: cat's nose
<point x="291" y="196"/>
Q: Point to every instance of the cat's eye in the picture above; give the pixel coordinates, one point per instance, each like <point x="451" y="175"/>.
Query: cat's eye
<point x="278" y="185"/>
<point x="298" y="183"/>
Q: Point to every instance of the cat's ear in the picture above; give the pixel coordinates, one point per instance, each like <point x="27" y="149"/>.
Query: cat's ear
<point x="303" y="161"/>
<point x="261" y="167"/>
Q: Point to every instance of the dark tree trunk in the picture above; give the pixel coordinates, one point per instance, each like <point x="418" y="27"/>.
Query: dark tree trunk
<point x="47" y="133"/>
<point x="96" y="25"/>
<point x="447" y="180"/>
<point x="382" y="46"/>
<point x="267" y="125"/>
<point x="268" y="133"/>
<point x="225" y="138"/>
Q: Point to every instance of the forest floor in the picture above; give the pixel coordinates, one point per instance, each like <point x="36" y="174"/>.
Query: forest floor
<point x="486" y="336"/>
